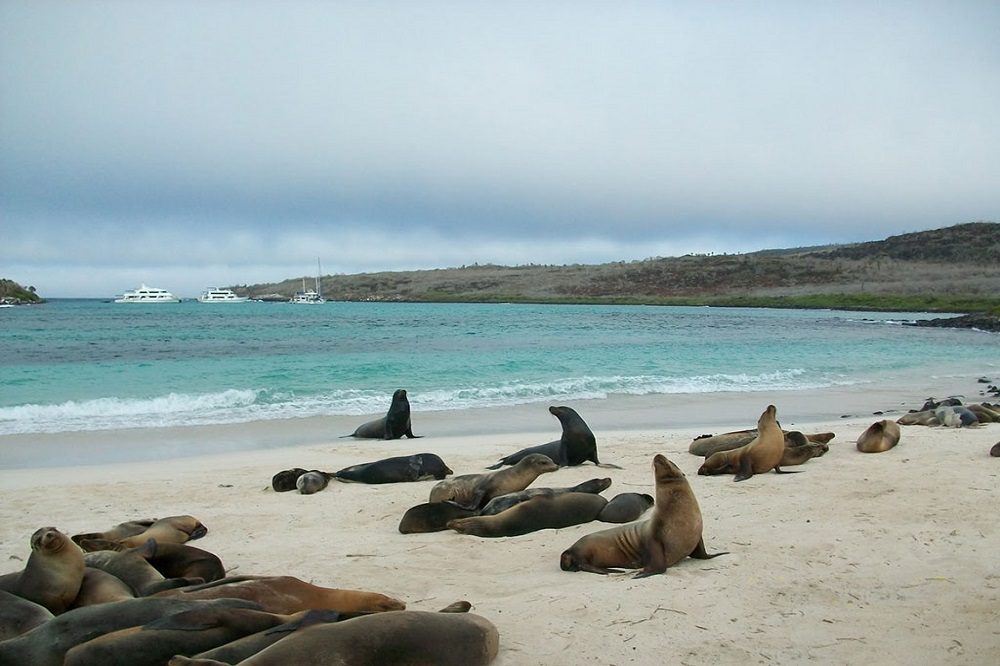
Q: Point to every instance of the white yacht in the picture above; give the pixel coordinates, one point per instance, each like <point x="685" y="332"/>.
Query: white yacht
<point x="217" y="295"/>
<point x="146" y="294"/>
<point x="309" y="296"/>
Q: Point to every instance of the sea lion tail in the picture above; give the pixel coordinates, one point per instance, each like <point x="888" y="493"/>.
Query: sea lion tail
<point x="497" y="465"/>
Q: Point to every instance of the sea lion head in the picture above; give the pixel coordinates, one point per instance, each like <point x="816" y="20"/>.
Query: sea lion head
<point x="568" y="561"/>
<point x="537" y="461"/>
<point x="399" y="395"/>
<point x="48" y="540"/>
<point x="665" y="471"/>
<point x="770" y="416"/>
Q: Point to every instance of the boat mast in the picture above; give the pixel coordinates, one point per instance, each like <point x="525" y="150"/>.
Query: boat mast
<point x="319" y="270"/>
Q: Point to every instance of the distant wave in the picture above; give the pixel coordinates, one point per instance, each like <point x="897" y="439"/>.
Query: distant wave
<point x="240" y="406"/>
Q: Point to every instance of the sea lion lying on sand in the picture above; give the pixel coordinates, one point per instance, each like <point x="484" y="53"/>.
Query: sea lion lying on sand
<point x="473" y="491"/>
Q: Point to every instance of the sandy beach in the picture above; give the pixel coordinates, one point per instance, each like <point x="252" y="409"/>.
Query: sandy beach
<point x="878" y="558"/>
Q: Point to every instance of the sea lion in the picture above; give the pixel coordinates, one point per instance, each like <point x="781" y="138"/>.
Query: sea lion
<point x="53" y="574"/>
<point x="100" y="587"/>
<point x="287" y="594"/>
<point x="956" y="416"/>
<point x="396" y="638"/>
<point x="473" y="491"/>
<point x="625" y="507"/>
<point x="880" y="436"/>
<point x="119" y="531"/>
<point x="172" y="529"/>
<point x="706" y="445"/>
<point x="172" y="560"/>
<point x="673" y="532"/>
<point x="187" y="632"/>
<point x="416" y="467"/>
<point x="47" y="644"/>
<point x="394" y="425"/>
<point x="284" y="481"/>
<point x="132" y="567"/>
<point x="923" y="417"/>
<point x="761" y="455"/>
<point x="538" y="513"/>
<point x="432" y="517"/>
<point x="504" y="502"/>
<point x="995" y="450"/>
<point x="796" y="455"/>
<point x="984" y="414"/>
<point x="19" y="616"/>
<point x="576" y="445"/>
<point x="312" y="481"/>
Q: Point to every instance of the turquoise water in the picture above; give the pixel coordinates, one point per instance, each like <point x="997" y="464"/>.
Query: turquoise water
<point x="73" y="365"/>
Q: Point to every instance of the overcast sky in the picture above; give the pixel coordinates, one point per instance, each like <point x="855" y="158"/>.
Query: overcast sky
<point x="189" y="144"/>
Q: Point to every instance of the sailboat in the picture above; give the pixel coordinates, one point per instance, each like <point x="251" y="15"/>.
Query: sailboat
<point x="310" y="296"/>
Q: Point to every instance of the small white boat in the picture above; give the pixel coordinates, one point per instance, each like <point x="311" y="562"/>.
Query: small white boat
<point x="217" y="295"/>
<point x="146" y="294"/>
<point x="309" y="296"/>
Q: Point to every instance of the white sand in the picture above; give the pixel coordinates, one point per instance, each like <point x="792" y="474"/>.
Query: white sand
<point x="878" y="558"/>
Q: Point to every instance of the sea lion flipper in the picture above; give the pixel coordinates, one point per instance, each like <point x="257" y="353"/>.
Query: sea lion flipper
<point x="608" y="465"/>
<point x="457" y="607"/>
<point x="497" y="465"/>
<point x="778" y="470"/>
<point x="746" y="469"/>
<point x="699" y="552"/>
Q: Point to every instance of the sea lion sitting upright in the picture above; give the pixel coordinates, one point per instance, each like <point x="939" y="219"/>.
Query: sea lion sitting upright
<point x="673" y="532"/>
<point x="538" y="513"/>
<point x="53" y="574"/>
<point x="417" y="467"/>
<point x="761" y="455"/>
<point x="880" y="436"/>
<point x="394" y="425"/>
<point x="473" y="491"/>
<point x="504" y="502"/>
<point x="576" y="445"/>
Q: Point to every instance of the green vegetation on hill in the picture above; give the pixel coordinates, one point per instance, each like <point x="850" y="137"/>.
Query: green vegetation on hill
<point x="12" y="292"/>
<point x="954" y="269"/>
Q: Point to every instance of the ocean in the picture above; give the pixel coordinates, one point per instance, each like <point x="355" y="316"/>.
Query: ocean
<point x="85" y="365"/>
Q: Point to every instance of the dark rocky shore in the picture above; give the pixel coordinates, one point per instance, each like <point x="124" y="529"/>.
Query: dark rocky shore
<point x="982" y="322"/>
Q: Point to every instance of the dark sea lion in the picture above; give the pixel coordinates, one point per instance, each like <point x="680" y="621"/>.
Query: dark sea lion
<point x="132" y="567"/>
<point x="706" y="445"/>
<point x="394" y="425"/>
<point x="312" y="482"/>
<point x="576" y="446"/>
<point x="186" y="633"/>
<point x="397" y="638"/>
<point x="119" y="531"/>
<point x="673" y="532"/>
<point x="625" y="507"/>
<point x="100" y="587"/>
<point x="53" y="574"/>
<point x="761" y="455"/>
<point x="172" y="560"/>
<point x="504" y="502"/>
<point x="284" y="481"/>
<point x="432" y="517"/>
<point x="995" y="450"/>
<point x="287" y="594"/>
<point x="47" y="644"/>
<point x="796" y="455"/>
<point x="19" y="616"/>
<point x="416" y="467"/>
<point x="880" y="436"/>
<point x="172" y="529"/>
<point x="538" y="513"/>
<point x="473" y="491"/>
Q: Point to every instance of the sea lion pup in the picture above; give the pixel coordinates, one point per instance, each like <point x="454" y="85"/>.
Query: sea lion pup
<point x="797" y="455"/>
<point x="284" y="481"/>
<point x="132" y="567"/>
<point x="761" y="455"/>
<point x="956" y="416"/>
<point x="432" y="517"/>
<point x="312" y="482"/>
<point x="625" y="507"/>
<point x="706" y="445"/>
<point x="673" y="532"/>
<point x="397" y="638"/>
<point x="47" y="644"/>
<point x="119" y="531"/>
<point x="880" y="436"/>
<point x="394" y="425"/>
<point x="473" y="491"/>
<point x="19" y="616"/>
<point x="172" y="560"/>
<point x="100" y="587"/>
<point x="538" y="513"/>
<point x="188" y="632"/>
<point x="504" y="502"/>
<point x="576" y="445"/>
<point x="53" y="574"/>
<point x="417" y="467"/>
<point x="287" y="594"/>
<point x="172" y="529"/>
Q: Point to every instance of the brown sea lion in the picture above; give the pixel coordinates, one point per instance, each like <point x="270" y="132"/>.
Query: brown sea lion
<point x="538" y="513"/>
<point x="706" y="445"/>
<point x="728" y="462"/>
<point x="100" y="587"/>
<point x="625" y="507"/>
<point x="796" y="455"/>
<point x="187" y="633"/>
<point x="47" y="644"/>
<point x="119" y="531"/>
<point x="397" y="638"/>
<point x="284" y="481"/>
<point x="172" y="529"/>
<point x="432" y="517"/>
<point x="53" y="574"/>
<point x="132" y="567"/>
<point x="761" y="455"/>
<point x="880" y="436"/>
<point x="504" y="502"/>
<point x="19" y="616"/>
<point x="924" y="417"/>
<point x="473" y="491"/>
<point x="172" y="560"/>
<point x="673" y="532"/>
<point x="287" y="594"/>
<point x="576" y="445"/>
<point x="394" y="425"/>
